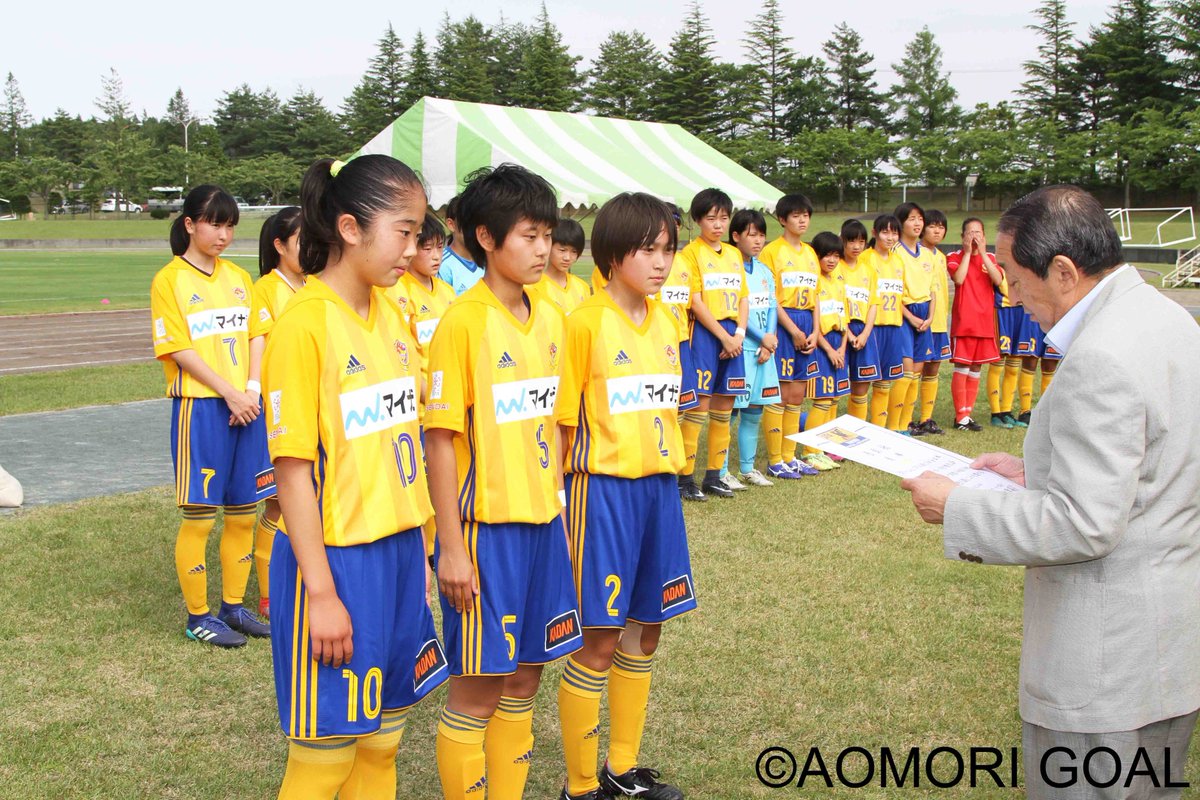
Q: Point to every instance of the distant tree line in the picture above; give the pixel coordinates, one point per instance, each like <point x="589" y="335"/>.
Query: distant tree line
<point x="1116" y="109"/>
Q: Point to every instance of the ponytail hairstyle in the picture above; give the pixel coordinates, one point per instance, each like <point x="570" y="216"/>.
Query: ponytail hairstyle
<point x="364" y="188"/>
<point x="205" y="203"/>
<point x="884" y="222"/>
<point x="281" y="225"/>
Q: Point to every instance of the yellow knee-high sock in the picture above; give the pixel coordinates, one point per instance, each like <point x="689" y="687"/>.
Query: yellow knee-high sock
<point x="772" y="425"/>
<point x="1025" y="389"/>
<point x="1046" y="378"/>
<point x="910" y="400"/>
<point x="460" y="759"/>
<point x="628" y="697"/>
<point x="995" y="373"/>
<point x="858" y="406"/>
<point x="237" y="552"/>
<point x="316" y="770"/>
<point x="880" y="402"/>
<point x="264" y="540"/>
<point x="690" y="425"/>
<point x="579" y="693"/>
<point x="718" y="438"/>
<point x="929" y="393"/>
<point x="820" y="413"/>
<point x="896" y="400"/>
<point x="509" y="748"/>
<point x="374" y="772"/>
<point x="197" y="523"/>
<point x="1012" y="374"/>
<point x="791" y="424"/>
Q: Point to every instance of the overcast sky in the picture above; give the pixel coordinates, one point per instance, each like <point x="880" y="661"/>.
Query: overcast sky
<point x="59" y="50"/>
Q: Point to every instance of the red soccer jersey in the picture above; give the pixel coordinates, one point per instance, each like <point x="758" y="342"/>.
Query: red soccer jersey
<point x="974" y="312"/>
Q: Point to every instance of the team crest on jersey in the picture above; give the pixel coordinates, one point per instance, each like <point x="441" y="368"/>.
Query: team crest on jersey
<point x="677" y="592"/>
<point x="672" y="357"/>
<point x="195" y="299"/>
<point x="506" y="361"/>
<point x="622" y="360"/>
<point x="239" y="293"/>
<point x="263" y="314"/>
<point x="402" y="302"/>
<point x="402" y="352"/>
<point x="562" y="629"/>
<point x="553" y="356"/>
<point x="354" y="366"/>
<point x="431" y="661"/>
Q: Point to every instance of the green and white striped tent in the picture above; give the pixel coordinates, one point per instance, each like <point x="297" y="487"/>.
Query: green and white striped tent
<point x="587" y="159"/>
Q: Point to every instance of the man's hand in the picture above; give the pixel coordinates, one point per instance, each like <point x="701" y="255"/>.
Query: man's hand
<point x="1003" y="464"/>
<point x="930" y="491"/>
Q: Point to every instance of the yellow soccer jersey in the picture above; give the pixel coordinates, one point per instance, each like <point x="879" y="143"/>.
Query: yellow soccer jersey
<point x="861" y="291"/>
<point x="918" y="273"/>
<point x="493" y="382"/>
<point x="567" y="299"/>
<point x="675" y="294"/>
<point x="341" y="391"/>
<point x="889" y="285"/>
<point x="620" y="391"/>
<point x="940" y="293"/>
<point x="717" y="279"/>
<point x="1002" y="292"/>
<point x="206" y="313"/>
<point x="598" y="280"/>
<point x="796" y="271"/>
<point x="271" y="295"/>
<point x="424" y="309"/>
<point x="831" y="302"/>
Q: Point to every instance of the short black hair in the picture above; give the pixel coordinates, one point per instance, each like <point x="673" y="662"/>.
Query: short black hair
<point x="791" y="203"/>
<point x="744" y="219"/>
<point x="936" y="216"/>
<point x="452" y="208"/>
<point x="969" y="220"/>
<point x="497" y="199"/>
<point x="826" y="242"/>
<point x="903" y="211"/>
<point x="569" y="233"/>
<point x="626" y="223"/>
<point x="432" y="230"/>
<point x="853" y="230"/>
<point x="1061" y="220"/>
<point x="708" y="199"/>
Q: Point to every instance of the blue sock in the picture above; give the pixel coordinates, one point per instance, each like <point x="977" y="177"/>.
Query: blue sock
<point x="229" y="608"/>
<point x="194" y="618"/>
<point x="748" y="427"/>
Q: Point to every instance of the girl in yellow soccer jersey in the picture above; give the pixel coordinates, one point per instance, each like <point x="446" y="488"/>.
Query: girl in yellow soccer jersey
<point x="355" y="647"/>
<point x="280" y="277"/>
<point x="201" y="310"/>
<point x="889" y="282"/>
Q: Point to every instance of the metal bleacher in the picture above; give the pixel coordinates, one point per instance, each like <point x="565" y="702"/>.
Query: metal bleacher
<point x="1186" y="272"/>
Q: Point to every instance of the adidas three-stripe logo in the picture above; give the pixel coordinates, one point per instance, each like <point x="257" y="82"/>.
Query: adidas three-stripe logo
<point x="202" y="633"/>
<point x="354" y="365"/>
<point x="505" y="361"/>
<point x="622" y="360"/>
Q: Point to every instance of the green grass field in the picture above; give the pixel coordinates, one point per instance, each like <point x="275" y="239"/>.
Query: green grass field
<point x="83" y="386"/>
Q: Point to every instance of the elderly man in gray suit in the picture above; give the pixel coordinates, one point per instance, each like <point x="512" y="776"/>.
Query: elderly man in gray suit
<point x="1108" y="527"/>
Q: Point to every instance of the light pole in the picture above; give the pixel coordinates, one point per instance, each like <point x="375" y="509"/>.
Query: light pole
<point x="971" y="181"/>
<point x="187" y="124"/>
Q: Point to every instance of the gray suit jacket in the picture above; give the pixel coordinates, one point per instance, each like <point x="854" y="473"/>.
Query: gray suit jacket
<point x="1109" y="525"/>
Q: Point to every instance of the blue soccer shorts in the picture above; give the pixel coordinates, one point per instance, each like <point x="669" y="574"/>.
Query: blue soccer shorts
<point x="891" y="341"/>
<point x="918" y="344"/>
<point x="716" y="375"/>
<point x="218" y="464"/>
<point x="397" y="658"/>
<point x="864" y="364"/>
<point x="1008" y="323"/>
<point x="525" y="612"/>
<point x="830" y="381"/>
<point x="687" y="378"/>
<point x="941" y="346"/>
<point x="791" y="364"/>
<point x="629" y="549"/>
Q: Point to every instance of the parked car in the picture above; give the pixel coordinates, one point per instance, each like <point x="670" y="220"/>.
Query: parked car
<point x="112" y="204"/>
<point x="241" y="203"/>
<point x="71" y="208"/>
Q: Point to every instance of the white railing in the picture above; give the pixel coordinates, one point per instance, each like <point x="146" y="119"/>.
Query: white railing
<point x="1187" y="270"/>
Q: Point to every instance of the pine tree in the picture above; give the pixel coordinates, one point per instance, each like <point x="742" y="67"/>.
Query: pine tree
<point x="808" y="97"/>
<point x="509" y="43"/>
<point x="1046" y="94"/>
<point x="855" y="95"/>
<point x="312" y="130"/>
<point x="1131" y="50"/>
<point x="628" y="64"/>
<point x="547" y="78"/>
<point x="924" y="99"/>
<point x="14" y="118"/>
<point x="382" y="94"/>
<point x="179" y="111"/>
<point x="770" y="65"/>
<point x="461" y="61"/>
<point x="1185" y="40"/>
<point x="112" y="102"/>
<point x="250" y="123"/>
<point x="689" y="85"/>
<point x="421" y="81"/>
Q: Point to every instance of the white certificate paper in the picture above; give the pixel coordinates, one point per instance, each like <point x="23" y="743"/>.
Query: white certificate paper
<point x="897" y="454"/>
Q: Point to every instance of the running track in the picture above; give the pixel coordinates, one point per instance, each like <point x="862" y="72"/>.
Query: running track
<point x="42" y="342"/>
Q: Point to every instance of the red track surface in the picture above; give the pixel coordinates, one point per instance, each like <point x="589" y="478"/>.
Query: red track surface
<point x="43" y="342"/>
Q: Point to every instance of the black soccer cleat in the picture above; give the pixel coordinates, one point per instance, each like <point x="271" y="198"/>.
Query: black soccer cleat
<point x="594" y="794"/>
<point x="639" y="782"/>
<point x="1025" y="418"/>
<point x="688" y="490"/>
<point x="929" y="426"/>
<point x="715" y="487"/>
<point x="915" y="429"/>
<point x="968" y="424"/>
